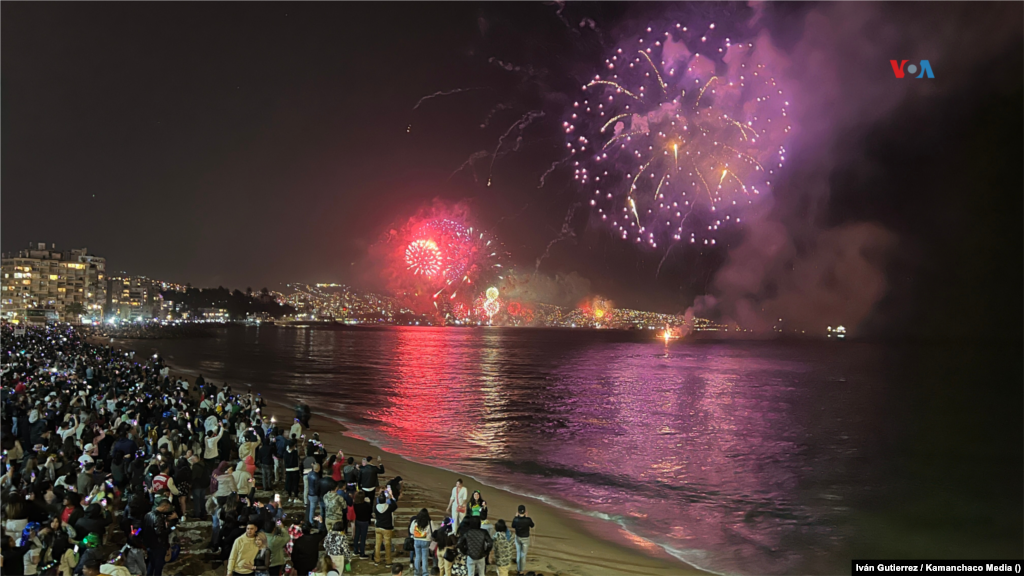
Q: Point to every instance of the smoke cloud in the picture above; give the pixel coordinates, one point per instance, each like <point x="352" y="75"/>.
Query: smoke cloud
<point x="792" y="265"/>
<point x="559" y="290"/>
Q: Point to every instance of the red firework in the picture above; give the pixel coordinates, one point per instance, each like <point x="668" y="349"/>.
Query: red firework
<point x="424" y="258"/>
<point x="514" y="308"/>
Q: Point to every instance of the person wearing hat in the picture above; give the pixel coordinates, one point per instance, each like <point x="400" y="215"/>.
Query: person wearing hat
<point x="522" y="524"/>
<point x="86" y="456"/>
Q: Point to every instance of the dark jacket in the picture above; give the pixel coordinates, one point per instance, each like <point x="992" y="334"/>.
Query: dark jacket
<point x="36" y="434"/>
<point x="364" y="512"/>
<point x="225" y="446"/>
<point x="86" y="525"/>
<point x="124" y="446"/>
<point x="313" y="485"/>
<point x="200" y="475"/>
<point x="291" y="459"/>
<point x="475" y="543"/>
<point x="306" y="551"/>
<point x="326" y="485"/>
<point x="396" y="486"/>
<point x="155" y="530"/>
<point x="351" y="474"/>
<point x="265" y="454"/>
<point x="368" y="476"/>
<point x="385" y="514"/>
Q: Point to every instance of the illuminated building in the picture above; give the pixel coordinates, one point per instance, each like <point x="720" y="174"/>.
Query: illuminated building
<point x="132" y="297"/>
<point x="71" y="283"/>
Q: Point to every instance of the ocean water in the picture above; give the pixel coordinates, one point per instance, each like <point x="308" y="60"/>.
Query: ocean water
<point x="738" y="457"/>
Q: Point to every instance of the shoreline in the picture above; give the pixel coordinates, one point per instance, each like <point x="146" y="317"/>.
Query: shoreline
<point x="565" y="542"/>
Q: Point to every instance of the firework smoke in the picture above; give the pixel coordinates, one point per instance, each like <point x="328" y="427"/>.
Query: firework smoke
<point x="791" y="272"/>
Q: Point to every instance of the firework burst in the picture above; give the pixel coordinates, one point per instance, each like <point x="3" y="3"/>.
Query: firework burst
<point x="672" y="143"/>
<point x="434" y="262"/>
<point x="450" y="254"/>
<point x="424" y="258"/>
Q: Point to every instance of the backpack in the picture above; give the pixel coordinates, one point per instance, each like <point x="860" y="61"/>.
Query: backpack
<point x="420" y="533"/>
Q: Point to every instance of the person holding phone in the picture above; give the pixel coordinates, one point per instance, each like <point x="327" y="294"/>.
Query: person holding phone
<point x="385" y="525"/>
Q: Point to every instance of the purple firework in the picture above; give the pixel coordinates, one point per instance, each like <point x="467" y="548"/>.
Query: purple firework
<point x="671" y="143"/>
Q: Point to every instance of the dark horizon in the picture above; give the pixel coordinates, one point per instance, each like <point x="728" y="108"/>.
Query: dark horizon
<point x="261" y="144"/>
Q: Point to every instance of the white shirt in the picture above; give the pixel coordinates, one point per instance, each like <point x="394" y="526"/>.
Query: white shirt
<point x="462" y="495"/>
<point x="211" y="445"/>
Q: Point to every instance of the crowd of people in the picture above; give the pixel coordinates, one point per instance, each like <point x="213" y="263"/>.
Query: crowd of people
<point x="106" y="456"/>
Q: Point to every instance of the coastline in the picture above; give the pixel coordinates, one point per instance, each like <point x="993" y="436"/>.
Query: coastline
<point x="564" y="542"/>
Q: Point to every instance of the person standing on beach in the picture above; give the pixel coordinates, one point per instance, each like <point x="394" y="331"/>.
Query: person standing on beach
<point x="476" y="544"/>
<point x="477" y="506"/>
<point x="212" y="453"/>
<point x="337" y="548"/>
<point x="280" y="445"/>
<point x="350" y="473"/>
<point x="457" y="503"/>
<point x="385" y="525"/>
<point x="265" y="454"/>
<point x="363" y="514"/>
<point x="243" y="552"/>
<point x="421" y="529"/>
<point x="368" y="481"/>
<point x="156" y="530"/>
<point x="313" y="491"/>
<point x="296" y="431"/>
<point x="291" y="471"/>
<point x="337" y="462"/>
<point x="337" y="508"/>
<point x="307" y="467"/>
<point x="522" y="524"/>
<point x="504" y="547"/>
<point x="200" y="484"/>
<point x="395" y="485"/>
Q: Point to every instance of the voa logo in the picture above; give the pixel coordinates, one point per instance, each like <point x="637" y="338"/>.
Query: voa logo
<point x="925" y="68"/>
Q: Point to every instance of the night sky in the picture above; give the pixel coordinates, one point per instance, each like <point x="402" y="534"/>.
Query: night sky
<point x="255" y="144"/>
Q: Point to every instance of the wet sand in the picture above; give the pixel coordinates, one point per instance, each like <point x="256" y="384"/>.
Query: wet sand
<point x="563" y="543"/>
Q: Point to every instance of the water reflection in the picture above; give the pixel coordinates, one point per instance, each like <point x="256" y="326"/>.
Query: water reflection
<point x="746" y="458"/>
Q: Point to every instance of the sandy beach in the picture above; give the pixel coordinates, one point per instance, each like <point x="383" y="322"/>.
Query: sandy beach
<point x="563" y="543"/>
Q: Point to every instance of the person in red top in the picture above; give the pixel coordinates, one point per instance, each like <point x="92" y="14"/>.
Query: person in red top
<point x="19" y="388"/>
<point x="160" y="480"/>
<point x="339" y="463"/>
<point x="72" y="509"/>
